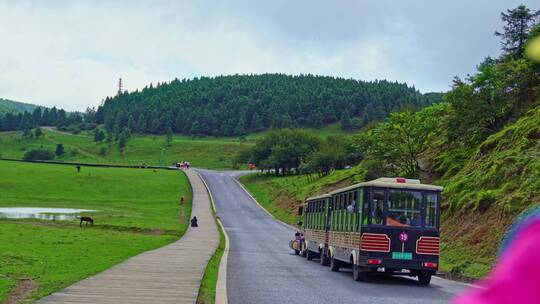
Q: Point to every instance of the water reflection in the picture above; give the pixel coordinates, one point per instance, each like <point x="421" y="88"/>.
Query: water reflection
<point x="52" y="214"/>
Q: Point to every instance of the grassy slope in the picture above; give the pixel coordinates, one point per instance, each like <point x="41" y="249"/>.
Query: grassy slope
<point x="481" y="197"/>
<point x="215" y="153"/>
<point x="500" y="180"/>
<point x="282" y="195"/>
<point x="138" y="211"/>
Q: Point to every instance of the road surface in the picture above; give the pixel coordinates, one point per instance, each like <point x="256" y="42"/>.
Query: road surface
<point x="262" y="269"/>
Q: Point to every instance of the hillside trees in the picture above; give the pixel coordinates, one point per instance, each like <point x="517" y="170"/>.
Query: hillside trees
<point x="398" y="143"/>
<point x="500" y="92"/>
<point x="281" y="150"/>
<point x="39" y="117"/>
<point x="518" y="23"/>
<point x="241" y="104"/>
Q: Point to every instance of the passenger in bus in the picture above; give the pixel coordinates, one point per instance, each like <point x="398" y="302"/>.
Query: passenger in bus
<point x="416" y="222"/>
<point x="378" y="214"/>
<point x="392" y="221"/>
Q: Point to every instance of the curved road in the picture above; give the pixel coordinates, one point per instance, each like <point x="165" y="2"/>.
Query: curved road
<point x="262" y="269"/>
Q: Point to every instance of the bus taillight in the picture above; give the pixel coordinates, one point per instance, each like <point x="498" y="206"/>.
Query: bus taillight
<point x="374" y="261"/>
<point x="427" y="245"/>
<point x="430" y="265"/>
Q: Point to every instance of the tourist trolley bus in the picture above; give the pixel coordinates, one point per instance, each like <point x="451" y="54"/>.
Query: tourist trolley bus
<point x="388" y="225"/>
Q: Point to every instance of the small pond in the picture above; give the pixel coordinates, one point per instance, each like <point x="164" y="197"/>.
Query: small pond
<point x="41" y="213"/>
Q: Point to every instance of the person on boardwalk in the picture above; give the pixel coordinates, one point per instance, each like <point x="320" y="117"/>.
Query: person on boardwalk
<point x="194" y="222"/>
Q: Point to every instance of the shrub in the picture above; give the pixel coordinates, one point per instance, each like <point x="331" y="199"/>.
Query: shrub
<point x="59" y="149"/>
<point x="38" y="154"/>
<point x="103" y="151"/>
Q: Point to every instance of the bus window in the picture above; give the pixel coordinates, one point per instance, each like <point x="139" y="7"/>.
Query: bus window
<point x="338" y="212"/>
<point x="377" y="207"/>
<point x="431" y="210"/>
<point x="365" y="206"/>
<point x="356" y="211"/>
<point x="404" y="208"/>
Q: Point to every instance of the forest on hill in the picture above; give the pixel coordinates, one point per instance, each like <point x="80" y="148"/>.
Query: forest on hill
<point x="481" y="143"/>
<point x="240" y="104"/>
<point x="10" y="106"/>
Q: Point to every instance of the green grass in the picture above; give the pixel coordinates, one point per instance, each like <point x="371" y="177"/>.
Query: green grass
<point x="207" y="152"/>
<point x="207" y="290"/>
<point x="137" y="210"/>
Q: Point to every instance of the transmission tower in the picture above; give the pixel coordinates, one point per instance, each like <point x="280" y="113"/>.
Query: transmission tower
<point x="120" y="89"/>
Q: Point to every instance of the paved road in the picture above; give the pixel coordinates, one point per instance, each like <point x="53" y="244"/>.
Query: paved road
<point x="262" y="269"/>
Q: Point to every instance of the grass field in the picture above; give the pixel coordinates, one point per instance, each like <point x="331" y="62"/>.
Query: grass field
<point x="137" y="210"/>
<point x="208" y="152"/>
<point x="204" y="152"/>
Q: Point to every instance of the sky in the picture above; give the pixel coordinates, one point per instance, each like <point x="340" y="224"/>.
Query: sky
<point x="70" y="54"/>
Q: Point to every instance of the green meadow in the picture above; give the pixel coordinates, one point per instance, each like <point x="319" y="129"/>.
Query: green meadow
<point x="206" y="152"/>
<point x="136" y="210"/>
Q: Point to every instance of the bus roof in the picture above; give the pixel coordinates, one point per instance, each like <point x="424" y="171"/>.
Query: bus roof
<point x="322" y="196"/>
<point x="396" y="183"/>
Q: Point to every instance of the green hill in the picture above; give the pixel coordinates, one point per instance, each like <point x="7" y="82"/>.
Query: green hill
<point x="10" y="106"/>
<point x="241" y="104"/>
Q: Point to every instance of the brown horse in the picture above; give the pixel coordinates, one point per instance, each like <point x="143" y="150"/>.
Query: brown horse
<point x="86" y="219"/>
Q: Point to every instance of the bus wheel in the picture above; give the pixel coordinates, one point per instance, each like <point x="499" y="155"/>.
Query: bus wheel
<point x="357" y="274"/>
<point x="424" y="278"/>
<point x="309" y="255"/>
<point x="323" y="259"/>
<point x="334" y="264"/>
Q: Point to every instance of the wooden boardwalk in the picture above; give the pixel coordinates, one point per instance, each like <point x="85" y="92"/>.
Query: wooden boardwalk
<point x="170" y="274"/>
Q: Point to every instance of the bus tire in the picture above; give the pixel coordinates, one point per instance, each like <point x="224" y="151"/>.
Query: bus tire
<point x="424" y="278"/>
<point x="309" y="255"/>
<point x="334" y="264"/>
<point x="358" y="274"/>
<point x="323" y="259"/>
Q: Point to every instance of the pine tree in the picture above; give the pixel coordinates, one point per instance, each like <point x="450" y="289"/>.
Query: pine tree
<point x="122" y="141"/>
<point x="256" y="123"/>
<point x="141" y="124"/>
<point x="195" y="128"/>
<point x="240" y="127"/>
<point x="36" y="115"/>
<point x="27" y="132"/>
<point x="346" y="123"/>
<point x="516" y="30"/>
<point x="38" y="132"/>
<point x="286" y="121"/>
<point x="131" y="123"/>
<point x="45" y="118"/>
